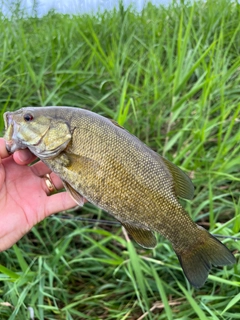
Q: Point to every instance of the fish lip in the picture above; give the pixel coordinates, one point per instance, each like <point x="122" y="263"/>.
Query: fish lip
<point x="9" y="145"/>
<point x="6" y="117"/>
<point x="12" y="147"/>
<point x="7" y="123"/>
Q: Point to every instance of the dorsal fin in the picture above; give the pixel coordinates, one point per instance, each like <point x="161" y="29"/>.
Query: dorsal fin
<point x="117" y="124"/>
<point x="183" y="185"/>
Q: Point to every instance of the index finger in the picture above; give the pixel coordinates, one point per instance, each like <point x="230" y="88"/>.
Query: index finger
<point x="23" y="157"/>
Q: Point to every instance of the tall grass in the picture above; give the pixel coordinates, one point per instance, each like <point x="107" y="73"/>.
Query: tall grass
<point x="171" y="76"/>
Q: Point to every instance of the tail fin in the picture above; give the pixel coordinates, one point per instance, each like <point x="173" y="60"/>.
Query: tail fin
<point x="197" y="263"/>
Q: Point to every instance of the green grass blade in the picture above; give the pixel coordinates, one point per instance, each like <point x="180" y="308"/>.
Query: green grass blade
<point x="199" y="312"/>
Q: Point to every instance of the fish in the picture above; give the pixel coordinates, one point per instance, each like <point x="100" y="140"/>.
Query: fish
<point x="100" y="161"/>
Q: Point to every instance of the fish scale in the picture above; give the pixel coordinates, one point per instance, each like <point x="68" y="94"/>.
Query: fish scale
<point x="102" y="162"/>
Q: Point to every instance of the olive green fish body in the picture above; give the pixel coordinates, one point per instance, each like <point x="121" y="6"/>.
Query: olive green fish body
<point x="122" y="176"/>
<point x="102" y="162"/>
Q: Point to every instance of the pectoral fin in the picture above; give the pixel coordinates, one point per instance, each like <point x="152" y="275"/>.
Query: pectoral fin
<point x="143" y="237"/>
<point x="183" y="185"/>
<point x="81" y="163"/>
<point x="75" y="195"/>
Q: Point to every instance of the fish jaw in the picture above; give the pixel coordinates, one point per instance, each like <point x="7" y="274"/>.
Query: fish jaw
<point x="13" y="143"/>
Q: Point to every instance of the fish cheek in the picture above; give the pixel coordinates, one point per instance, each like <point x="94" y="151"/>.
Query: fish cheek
<point x="30" y="132"/>
<point x="28" y="135"/>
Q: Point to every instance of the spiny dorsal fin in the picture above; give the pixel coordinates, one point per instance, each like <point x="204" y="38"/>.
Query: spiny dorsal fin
<point x="145" y="238"/>
<point x="75" y="195"/>
<point x="183" y="185"/>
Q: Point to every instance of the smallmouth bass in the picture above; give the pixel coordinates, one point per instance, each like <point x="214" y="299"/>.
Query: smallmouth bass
<point x="102" y="162"/>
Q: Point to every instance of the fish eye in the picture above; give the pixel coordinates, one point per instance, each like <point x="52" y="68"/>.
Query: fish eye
<point x="28" y="117"/>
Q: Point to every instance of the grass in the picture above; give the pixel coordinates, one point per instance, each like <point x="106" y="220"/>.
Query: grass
<point x="171" y="76"/>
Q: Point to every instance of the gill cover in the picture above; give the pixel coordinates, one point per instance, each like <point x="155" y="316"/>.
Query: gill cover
<point x="55" y="140"/>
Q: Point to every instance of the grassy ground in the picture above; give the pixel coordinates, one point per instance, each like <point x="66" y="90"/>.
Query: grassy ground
<point x="171" y="76"/>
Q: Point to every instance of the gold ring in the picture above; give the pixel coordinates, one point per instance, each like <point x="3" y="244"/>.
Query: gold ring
<point x="49" y="183"/>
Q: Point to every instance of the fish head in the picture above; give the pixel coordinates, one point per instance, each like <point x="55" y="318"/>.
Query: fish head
<point x="38" y="129"/>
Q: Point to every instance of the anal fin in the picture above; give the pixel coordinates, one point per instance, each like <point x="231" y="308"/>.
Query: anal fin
<point x="145" y="238"/>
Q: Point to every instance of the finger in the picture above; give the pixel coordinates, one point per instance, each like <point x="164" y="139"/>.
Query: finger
<point x="23" y="157"/>
<point x="59" y="202"/>
<point x="3" y="151"/>
<point x="40" y="169"/>
<point x="54" y="180"/>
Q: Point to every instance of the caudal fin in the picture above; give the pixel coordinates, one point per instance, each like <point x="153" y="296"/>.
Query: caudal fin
<point x="196" y="263"/>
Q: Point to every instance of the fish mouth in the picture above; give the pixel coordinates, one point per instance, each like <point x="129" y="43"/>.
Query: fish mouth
<point x="11" y="129"/>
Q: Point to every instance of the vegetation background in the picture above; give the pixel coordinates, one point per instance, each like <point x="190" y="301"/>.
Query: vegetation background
<point x="171" y="76"/>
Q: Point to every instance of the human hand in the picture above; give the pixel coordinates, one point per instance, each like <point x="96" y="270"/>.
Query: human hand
<point x="24" y="195"/>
